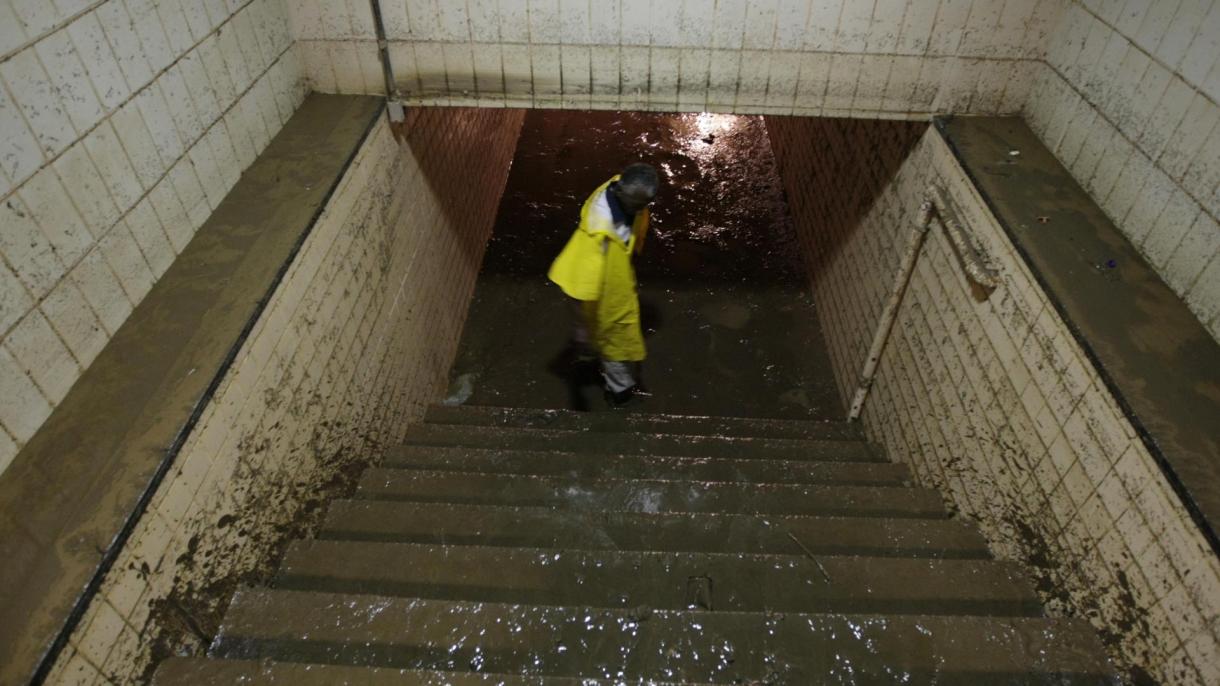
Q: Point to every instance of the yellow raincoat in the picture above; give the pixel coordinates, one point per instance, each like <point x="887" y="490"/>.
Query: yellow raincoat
<point x="595" y="268"/>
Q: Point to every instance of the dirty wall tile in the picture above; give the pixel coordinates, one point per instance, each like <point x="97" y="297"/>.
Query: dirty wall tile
<point x="221" y="142"/>
<point x="484" y="20"/>
<point x="604" y="63"/>
<point x="349" y="77"/>
<point x="841" y="87"/>
<point x="101" y="290"/>
<point x="67" y="72"/>
<point x="1202" y="176"/>
<point x="1174" y="42"/>
<point x="195" y="78"/>
<point x="1204" y="50"/>
<point x="755" y="69"/>
<point x="14" y="300"/>
<point x="1204" y="296"/>
<point x="125" y="258"/>
<point x="663" y="82"/>
<point x="459" y="68"/>
<point x="577" y="72"/>
<point x="251" y="50"/>
<point x="1184" y="143"/>
<point x="87" y="189"/>
<point x="69" y="313"/>
<point x="927" y="88"/>
<point x="1166" y="233"/>
<point x="173" y="21"/>
<point x="160" y="124"/>
<point x="51" y="207"/>
<point x="820" y="25"/>
<point x="262" y="31"/>
<point x="34" y="261"/>
<point x="181" y="105"/>
<point x="871" y="83"/>
<point x="12" y="31"/>
<point x="430" y="62"/>
<point x="947" y="31"/>
<point x="811" y="84"/>
<point x="728" y="22"/>
<point x="1097" y="143"/>
<point x="170" y="212"/>
<point x="120" y="31"/>
<point x="544" y="21"/>
<point x="196" y="19"/>
<point x="693" y="80"/>
<point x="153" y="40"/>
<point x="724" y="69"/>
<point x="36" y="95"/>
<point x="20" y="152"/>
<point x="980" y="35"/>
<point x="759" y="29"/>
<point x="36" y="16"/>
<point x="886" y="25"/>
<point x="370" y="67"/>
<point x="218" y="73"/>
<point x="234" y="61"/>
<point x="141" y="149"/>
<point x="1199" y="245"/>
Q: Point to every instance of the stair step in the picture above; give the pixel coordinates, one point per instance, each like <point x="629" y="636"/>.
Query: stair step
<point x="661" y="580"/>
<point x="186" y="671"/>
<point x="584" y="465"/>
<point x="567" y="440"/>
<point x="544" y="527"/>
<point x="633" y="422"/>
<point x="648" y="495"/>
<point x="717" y="647"/>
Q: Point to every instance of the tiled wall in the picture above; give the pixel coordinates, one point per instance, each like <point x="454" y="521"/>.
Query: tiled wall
<point x="1127" y="100"/>
<point x="889" y="58"/>
<point x="122" y="125"/>
<point x="358" y="336"/>
<point x="994" y="403"/>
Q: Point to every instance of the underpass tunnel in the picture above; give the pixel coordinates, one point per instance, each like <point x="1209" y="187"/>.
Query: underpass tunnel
<point x="730" y="326"/>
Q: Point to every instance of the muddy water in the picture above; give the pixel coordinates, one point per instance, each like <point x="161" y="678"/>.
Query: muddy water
<point x="730" y="326"/>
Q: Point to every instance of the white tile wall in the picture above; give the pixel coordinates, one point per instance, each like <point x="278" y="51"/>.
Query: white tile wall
<point x="995" y="404"/>
<point x="106" y="110"/>
<point x="361" y="332"/>
<point x="727" y="55"/>
<point x="1127" y="100"/>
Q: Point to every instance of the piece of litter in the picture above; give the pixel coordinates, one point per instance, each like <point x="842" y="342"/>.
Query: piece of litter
<point x="1044" y="219"/>
<point x="1014" y="153"/>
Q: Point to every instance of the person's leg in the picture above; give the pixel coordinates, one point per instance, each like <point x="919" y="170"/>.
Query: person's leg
<point x="620" y="380"/>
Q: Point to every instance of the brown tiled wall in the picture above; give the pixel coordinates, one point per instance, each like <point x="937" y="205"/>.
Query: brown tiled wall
<point x="357" y="338"/>
<point x="994" y="403"/>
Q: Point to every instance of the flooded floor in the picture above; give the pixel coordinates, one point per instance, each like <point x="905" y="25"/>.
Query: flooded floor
<point x="729" y="323"/>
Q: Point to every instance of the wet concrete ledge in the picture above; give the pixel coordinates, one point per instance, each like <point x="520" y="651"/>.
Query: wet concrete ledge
<point x="1150" y="350"/>
<point x="71" y="496"/>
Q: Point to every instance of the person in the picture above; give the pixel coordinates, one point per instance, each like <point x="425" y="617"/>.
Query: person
<point x="594" y="271"/>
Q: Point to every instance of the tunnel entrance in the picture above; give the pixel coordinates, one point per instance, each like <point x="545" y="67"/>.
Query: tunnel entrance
<point x="728" y="318"/>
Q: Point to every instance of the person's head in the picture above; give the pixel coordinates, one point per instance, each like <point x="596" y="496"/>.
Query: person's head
<point x="637" y="186"/>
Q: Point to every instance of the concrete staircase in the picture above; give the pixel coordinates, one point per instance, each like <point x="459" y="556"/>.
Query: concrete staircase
<point x="540" y="547"/>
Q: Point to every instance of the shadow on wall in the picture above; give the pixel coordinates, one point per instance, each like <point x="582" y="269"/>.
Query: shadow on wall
<point x="450" y="165"/>
<point x="858" y="161"/>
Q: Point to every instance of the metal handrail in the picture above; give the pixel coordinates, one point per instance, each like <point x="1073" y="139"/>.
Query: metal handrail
<point x="982" y="277"/>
